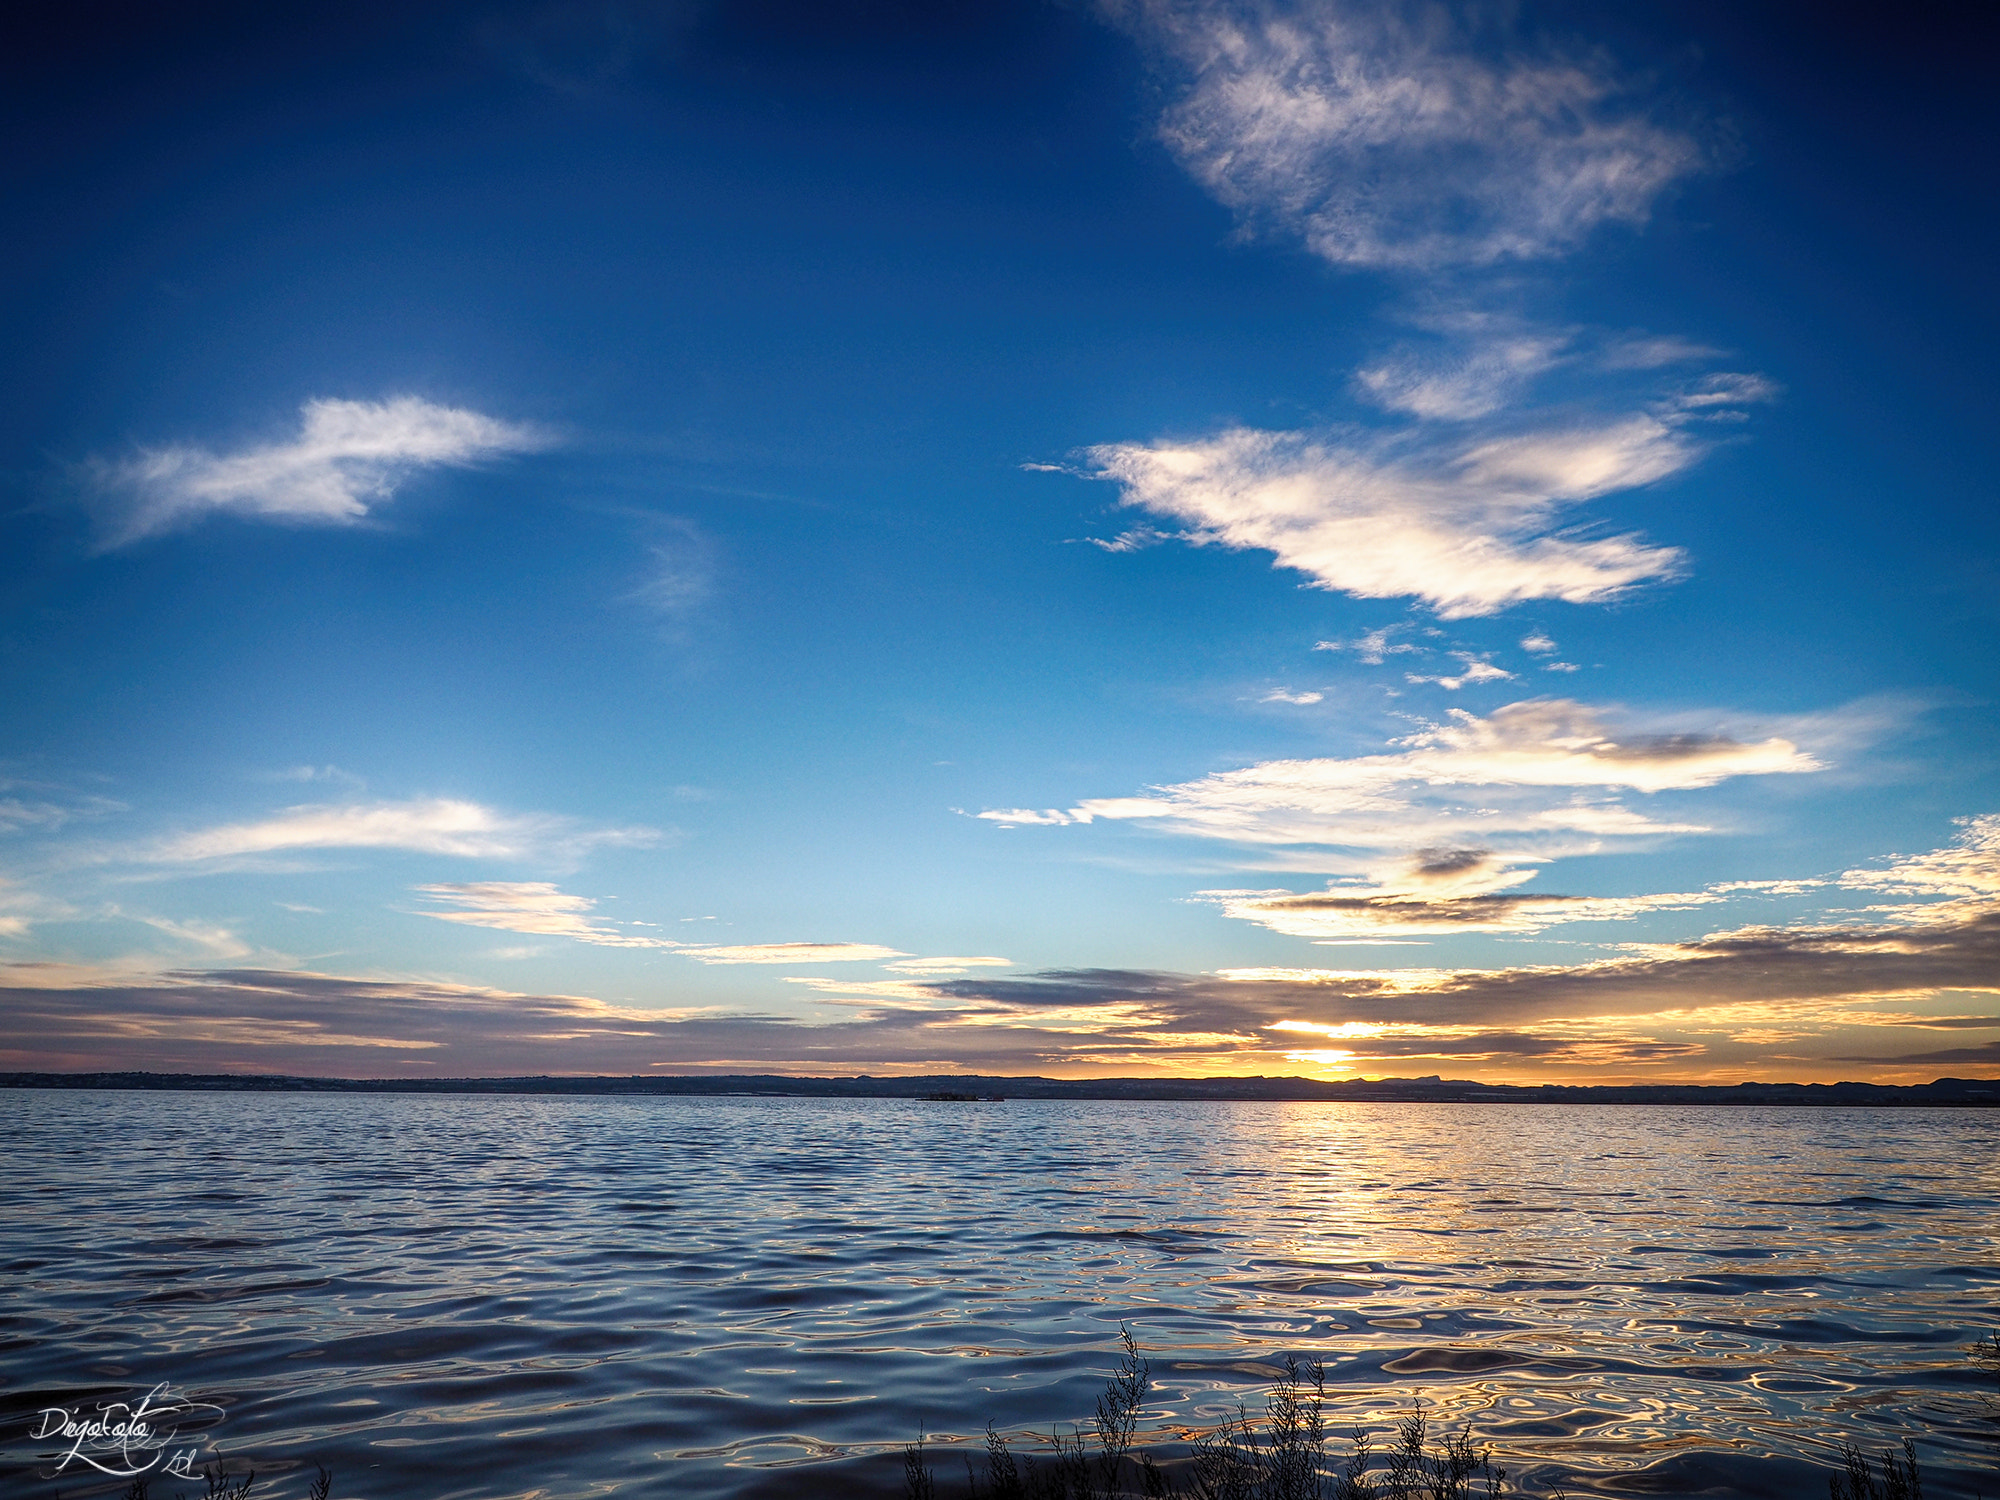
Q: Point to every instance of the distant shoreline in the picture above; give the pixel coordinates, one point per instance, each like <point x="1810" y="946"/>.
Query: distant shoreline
<point x="1957" y="1093"/>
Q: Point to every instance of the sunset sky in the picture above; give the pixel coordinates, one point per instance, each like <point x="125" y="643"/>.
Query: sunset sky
<point x="1152" y="536"/>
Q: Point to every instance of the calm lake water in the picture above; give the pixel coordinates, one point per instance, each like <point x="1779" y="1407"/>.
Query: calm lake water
<point x="749" y="1297"/>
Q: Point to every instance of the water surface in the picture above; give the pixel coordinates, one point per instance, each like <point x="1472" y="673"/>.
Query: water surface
<point x="761" y="1299"/>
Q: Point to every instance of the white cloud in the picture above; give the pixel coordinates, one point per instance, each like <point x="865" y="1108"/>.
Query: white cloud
<point x="1286" y="695"/>
<point x="1483" y="370"/>
<point x="1643" y="352"/>
<point x="1391" y="135"/>
<point x="1383" y="138"/>
<point x="1467" y="529"/>
<point x="1576" y="463"/>
<point x="1797" y="887"/>
<point x="1138" y="539"/>
<point x="40" y="808"/>
<point x="217" y="942"/>
<point x="680" y="568"/>
<point x="1470" y="361"/>
<point x="1373" y="646"/>
<point x="1538" y="644"/>
<point x="1477" y="669"/>
<point x="529" y="906"/>
<point x="1542" y="774"/>
<point x="348" y="457"/>
<point x="1449" y="889"/>
<point x="436" y="825"/>
<point x="1365" y="910"/>
<point x="791" y="953"/>
<point x="17" y="813"/>
<point x="867" y="993"/>
<point x="1722" y="395"/>
<point x="1028" y="817"/>
<point x="21" y="908"/>
<point x="947" y="965"/>
<point x="1968" y="868"/>
<point x="318" y="773"/>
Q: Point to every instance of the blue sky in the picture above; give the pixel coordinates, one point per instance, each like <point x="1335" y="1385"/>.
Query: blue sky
<point x="1140" y="537"/>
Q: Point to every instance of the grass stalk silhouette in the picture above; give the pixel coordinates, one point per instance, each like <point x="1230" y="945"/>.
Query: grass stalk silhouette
<point x="1285" y="1459"/>
<point x="1288" y="1456"/>
<point x="1900" y="1480"/>
<point x="221" y="1486"/>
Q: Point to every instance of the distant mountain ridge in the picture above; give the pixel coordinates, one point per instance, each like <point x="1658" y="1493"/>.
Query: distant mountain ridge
<point x="1942" y="1092"/>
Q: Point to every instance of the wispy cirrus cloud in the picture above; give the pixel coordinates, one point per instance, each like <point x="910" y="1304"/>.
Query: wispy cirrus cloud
<point x="1472" y="669"/>
<point x="533" y="907"/>
<point x="1968" y="868"/>
<point x="430" y="825"/>
<point x="947" y="965"/>
<point x="1467" y="361"/>
<point x="19" y="813"/>
<point x="1641" y="351"/>
<point x="210" y="938"/>
<point x="867" y="994"/>
<point x="1540" y="769"/>
<point x="1486" y="362"/>
<point x="44" y="807"/>
<point x="1374" y="646"/>
<point x="790" y="953"/>
<point x="680" y="570"/>
<point x="1435" y="838"/>
<point x="1722" y="394"/>
<point x="1412" y="902"/>
<point x="540" y="909"/>
<point x="1388" y="136"/>
<point x="1467" y="527"/>
<point x="1465" y="507"/>
<point x="332" y="774"/>
<point x="347" y="458"/>
<point x="21" y="908"/>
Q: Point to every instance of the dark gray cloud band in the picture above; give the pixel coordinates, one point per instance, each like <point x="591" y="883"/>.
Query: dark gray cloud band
<point x="1059" y="1021"/>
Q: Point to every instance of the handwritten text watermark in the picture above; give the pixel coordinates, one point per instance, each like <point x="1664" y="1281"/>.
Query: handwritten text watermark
<point x="126" y="1439"/>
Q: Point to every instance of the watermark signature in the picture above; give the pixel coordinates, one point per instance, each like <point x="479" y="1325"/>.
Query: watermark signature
<point x="126" y="1439"/>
